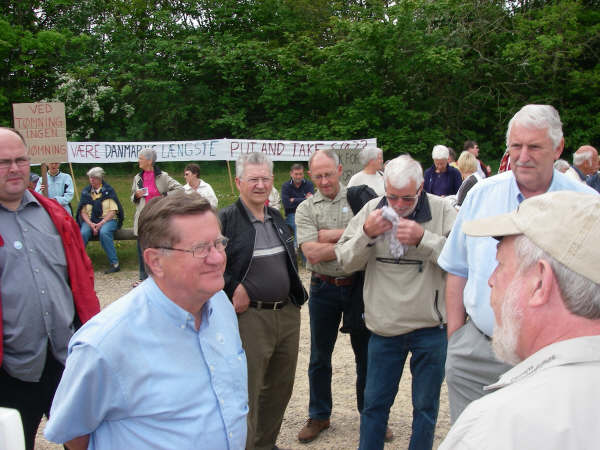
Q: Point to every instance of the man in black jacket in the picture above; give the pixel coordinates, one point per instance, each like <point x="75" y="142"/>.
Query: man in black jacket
<point x="261" y="279"/>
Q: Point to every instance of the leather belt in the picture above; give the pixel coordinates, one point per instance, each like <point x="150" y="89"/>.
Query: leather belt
<point x="336" y="281"/>
<point x="268" y="305"/>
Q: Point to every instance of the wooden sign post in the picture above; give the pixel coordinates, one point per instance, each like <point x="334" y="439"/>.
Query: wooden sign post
<point x="44" y="127"/>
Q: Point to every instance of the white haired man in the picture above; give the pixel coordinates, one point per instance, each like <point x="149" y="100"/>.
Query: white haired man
<point x="371" y="159"/>
<point x="546" y="301"/>
<point x="585" y="163"/>
<point x="403" y="295"/>
<point x="442" y="179"/>
<point x="534" y="140"/>
<point x="261" y="279"/>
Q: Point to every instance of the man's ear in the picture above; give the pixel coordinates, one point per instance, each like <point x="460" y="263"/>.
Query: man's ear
<point x="542" y="280"/>
<point x="153" y="259"/>
<point x="559" y="149"/>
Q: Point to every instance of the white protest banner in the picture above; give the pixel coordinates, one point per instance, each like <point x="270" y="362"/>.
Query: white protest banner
<point x="43" y="126"/>
<point x="207" y="150"/>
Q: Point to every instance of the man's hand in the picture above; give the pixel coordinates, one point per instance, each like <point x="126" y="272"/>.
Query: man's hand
<point x="43" y="189"/>
<point x="240" y="299"/>
<point x="409" y="232"/>
<point x="308" y="195"/>
<point x="139" y="193"/>
<point x="376" y="224"/>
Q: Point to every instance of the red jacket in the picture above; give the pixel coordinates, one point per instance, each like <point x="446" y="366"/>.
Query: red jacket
<point x="79" y="266"/>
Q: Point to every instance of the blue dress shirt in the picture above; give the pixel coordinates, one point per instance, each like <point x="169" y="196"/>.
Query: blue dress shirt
<point x="474" y="258"/>
<point x="139" y="375"/>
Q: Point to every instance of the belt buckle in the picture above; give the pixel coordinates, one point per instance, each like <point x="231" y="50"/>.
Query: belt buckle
<point x="276" y="304"/>
<point x="338" y="280"/>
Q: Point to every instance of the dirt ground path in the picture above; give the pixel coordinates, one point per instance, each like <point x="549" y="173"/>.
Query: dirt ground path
<point x="343" y="433"/>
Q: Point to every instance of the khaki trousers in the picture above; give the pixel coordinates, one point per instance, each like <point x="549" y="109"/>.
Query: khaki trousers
<point x="270" y="339"/>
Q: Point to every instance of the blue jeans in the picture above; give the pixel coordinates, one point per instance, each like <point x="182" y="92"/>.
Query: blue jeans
<point x="387" y="356"/>
<point x="326" y="304"/>
<point x="106" y="238"/>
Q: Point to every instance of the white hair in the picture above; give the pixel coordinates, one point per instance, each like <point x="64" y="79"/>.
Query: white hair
<point x="580" y="295"/>
<point x="253" y="159"/>
<point x="96" y="172"/>
<point x="149" y="154"/>
<point x="540" y="117"/>
<point x="399" y="171"/>
<point x="440" y="152"/>
<point x="331" y="154"/>
<point x="583" y="155"/>
<point x="368" y="154"/>
<point x="561" y="165"/>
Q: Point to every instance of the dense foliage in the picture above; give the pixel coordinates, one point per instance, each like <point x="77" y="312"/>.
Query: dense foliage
<point x="412" y="73"/>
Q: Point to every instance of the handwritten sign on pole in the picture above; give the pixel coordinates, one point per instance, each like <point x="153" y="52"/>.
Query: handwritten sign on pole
<point x="44" y="128"/>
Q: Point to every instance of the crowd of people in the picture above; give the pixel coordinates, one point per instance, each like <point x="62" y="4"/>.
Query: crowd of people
<point x="488" y="282"/>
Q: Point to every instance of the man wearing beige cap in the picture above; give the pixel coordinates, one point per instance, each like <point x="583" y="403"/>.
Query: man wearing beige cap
<point x="546" y="301"/>
<point x="534" y="140"/>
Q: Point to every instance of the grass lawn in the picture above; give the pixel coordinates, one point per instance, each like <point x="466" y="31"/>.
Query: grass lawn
<point x="120" y="177"/>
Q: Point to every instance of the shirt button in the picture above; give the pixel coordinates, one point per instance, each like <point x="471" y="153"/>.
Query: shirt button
<point x="25" y="229"/>
<point x="30" y="250"/>
<point x="212" y="369"/>
<point x="181" y="326"/>
<point x="43" y="291"/>
<point x="36" y="270"/>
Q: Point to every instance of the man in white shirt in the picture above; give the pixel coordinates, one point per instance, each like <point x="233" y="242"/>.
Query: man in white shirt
<point x="546" y="301"/>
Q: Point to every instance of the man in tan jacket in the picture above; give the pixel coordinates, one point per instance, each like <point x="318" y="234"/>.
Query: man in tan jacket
<point x="396" y="239"/>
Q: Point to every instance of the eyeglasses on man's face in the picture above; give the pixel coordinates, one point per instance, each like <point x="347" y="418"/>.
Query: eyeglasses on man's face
<point x="404" y="198"/>
<point x="324" y="176"/>
<point x="257" y="180"/>
<point x="203" y="249"/>
<point x="21" y="162"/>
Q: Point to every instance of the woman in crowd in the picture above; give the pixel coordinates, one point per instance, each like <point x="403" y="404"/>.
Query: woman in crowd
<point x="191" y="174"/>
<point x="371" y="159"/>
<point x="150" y="182"/>
<point x="467" y="164"/>
<point x="100" y="213"/>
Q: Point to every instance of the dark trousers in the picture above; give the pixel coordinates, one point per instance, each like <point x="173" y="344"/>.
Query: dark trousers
<point x="326" y="305"/>
<point x="143" y="274"/>
<point x="31" y="399"/>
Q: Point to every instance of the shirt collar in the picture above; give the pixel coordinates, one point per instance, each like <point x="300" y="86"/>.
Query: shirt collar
<point x="571" y="351"/>
<point x="251" y="216"/>
<point x="516" y="192"/>
<point x="318" y="197"/>
<point x="27" y="200"/>
<point x="173" y="311"/>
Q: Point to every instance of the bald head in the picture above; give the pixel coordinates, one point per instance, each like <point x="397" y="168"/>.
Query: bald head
<point x="14" y="168"/>
<point x="586" y="159"/>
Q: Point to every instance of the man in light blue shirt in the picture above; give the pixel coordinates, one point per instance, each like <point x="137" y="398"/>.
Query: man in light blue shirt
<point x="60" y="186"/>
<point x="534" y="140"/>
<point x="163" y="367"/>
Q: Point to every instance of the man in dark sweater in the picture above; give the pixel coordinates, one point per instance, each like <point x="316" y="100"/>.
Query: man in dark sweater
<point x="293" y="192"/>
<point x="442" y="179"/>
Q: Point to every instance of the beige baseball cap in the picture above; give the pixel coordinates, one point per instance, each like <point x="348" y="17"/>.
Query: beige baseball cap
<point x="564" y="224"/>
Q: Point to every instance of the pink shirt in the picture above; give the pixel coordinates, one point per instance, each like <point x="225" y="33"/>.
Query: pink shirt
<point x="150" y="183"/>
